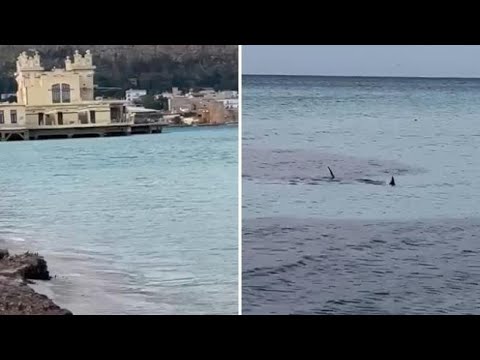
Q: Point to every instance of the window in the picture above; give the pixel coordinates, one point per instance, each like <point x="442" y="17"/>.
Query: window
<point x="2" y="117"/>
<point x="13" y="116"/>
<point x="83" y="117"/>
<point x="56" y="93"/>
<point x="65" y="93"/>
<point x="40" y="119"/>
<point x="60" y="94"/>
<point x="60" y="118"/>
<point x="49" y="119"/>
<point x="92" y="116"/>
<point x="115" y="114"/>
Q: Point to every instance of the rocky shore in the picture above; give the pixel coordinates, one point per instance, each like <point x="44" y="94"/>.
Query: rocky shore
<point x="16" y="297"/>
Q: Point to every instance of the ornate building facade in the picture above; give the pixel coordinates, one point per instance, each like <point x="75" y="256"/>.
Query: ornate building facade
<point x="59" y="97"/>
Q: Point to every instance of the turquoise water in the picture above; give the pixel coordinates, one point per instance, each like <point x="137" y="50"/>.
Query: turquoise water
<point x="129" y="225"/>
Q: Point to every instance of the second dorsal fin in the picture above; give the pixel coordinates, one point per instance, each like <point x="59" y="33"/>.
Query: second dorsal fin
<point x="331" y="172"/>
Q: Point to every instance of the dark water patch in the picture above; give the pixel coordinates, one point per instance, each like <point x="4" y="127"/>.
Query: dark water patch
<point x="361" y="267"/>
<point x="297" y="167"/>
<point x="371" y="182"/>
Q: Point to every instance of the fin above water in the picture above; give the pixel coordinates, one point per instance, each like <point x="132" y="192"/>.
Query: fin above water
<point x="331" y="172"/>
<point x="392" y="182"/>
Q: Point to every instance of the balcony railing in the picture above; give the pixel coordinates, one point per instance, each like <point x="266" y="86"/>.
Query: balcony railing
<point x="124" y="119"/>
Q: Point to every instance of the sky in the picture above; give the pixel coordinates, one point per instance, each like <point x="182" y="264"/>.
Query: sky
<point x="363" y="60"/>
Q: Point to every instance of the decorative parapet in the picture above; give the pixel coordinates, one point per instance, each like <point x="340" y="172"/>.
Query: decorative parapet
<point x="84" y="62"/>
<point x="25" y="62"/>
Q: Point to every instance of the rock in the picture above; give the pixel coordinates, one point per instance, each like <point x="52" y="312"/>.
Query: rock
<point x="28" y="266"/>
<point x="3" y="253"/>
<point x="16" y="298"/>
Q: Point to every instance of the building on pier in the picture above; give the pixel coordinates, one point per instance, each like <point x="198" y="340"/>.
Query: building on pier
<point x="59" y="97"/>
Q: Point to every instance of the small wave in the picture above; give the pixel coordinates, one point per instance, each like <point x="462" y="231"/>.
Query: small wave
<point x="14" y="238"/>
<point x="124" y="157"/>
<point x="274" y="270"/>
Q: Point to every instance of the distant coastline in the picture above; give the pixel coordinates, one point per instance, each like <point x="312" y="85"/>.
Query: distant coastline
<point x="364" y="77"/>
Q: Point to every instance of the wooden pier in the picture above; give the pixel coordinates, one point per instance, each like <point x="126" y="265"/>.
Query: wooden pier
<point x="77" y="131"/>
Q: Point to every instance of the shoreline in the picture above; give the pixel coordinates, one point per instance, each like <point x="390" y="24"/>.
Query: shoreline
<point x="16" y="297"/>
<point x="229" y="124"/>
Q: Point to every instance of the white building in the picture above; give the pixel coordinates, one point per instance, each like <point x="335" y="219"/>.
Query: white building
<point x="229" y="94"/>
<point x="208" y="92"/>
<point x="230" y="103"/>
<point x="132" y="95"/>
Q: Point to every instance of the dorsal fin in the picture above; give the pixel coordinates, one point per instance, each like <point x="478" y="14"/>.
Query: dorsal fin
<point x="392" y="182"/>
<point x="331" y="172"/>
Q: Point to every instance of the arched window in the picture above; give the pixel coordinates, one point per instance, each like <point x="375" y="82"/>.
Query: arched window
<point x="65" y="93"/>
<point x="60" y="94"/>
<point x="56" y="93"/>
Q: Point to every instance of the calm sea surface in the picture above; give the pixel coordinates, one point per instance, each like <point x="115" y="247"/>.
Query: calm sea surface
<point x="356" y="245"/>
<point x="129" y="225"/>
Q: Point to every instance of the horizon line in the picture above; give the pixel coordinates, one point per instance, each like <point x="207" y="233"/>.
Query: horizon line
<point x="370" y="76"/>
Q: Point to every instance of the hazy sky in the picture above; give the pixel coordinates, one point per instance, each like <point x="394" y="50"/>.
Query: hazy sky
<point x="363" y="60"/>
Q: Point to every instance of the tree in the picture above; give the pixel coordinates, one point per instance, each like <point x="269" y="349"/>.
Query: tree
<point x="155" y="73"/>
<point x="149" y="102"/>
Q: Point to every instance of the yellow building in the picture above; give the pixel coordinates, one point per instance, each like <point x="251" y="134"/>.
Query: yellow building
<point x="12" y="115"/>
<point x="59" y="97"/>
